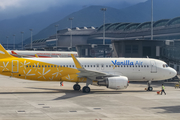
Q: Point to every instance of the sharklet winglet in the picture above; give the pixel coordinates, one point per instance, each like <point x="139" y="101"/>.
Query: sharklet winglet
<point x="76" y="62"/>
<point x="36" y="56"/>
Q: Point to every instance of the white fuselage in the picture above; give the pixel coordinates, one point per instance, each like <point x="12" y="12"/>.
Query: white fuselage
<point x="135" y="69"/>
<point x="45" y="53"/>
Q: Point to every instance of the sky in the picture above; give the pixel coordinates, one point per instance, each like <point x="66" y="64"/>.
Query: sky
<point x="15" y="8"/>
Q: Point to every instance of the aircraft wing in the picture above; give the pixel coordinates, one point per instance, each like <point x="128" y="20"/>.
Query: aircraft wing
<point x="88" y="73"/>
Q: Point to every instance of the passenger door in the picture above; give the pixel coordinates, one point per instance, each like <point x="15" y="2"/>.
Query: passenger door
<point x="15" y="66"/>
<point x="153" y="67"/>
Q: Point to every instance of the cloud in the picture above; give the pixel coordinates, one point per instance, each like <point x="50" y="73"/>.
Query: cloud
<point x="14" y="8"/>
<point x="8" y="3"/>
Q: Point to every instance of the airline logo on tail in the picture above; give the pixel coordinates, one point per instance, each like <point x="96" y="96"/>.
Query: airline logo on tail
<point x="13" y="52"/>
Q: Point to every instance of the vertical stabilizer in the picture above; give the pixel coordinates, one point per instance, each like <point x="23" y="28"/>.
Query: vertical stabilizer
<point x="4" y="53"/>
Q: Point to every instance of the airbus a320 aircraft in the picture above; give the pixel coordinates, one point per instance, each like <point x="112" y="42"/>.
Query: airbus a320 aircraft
<point x="113" y="73"/>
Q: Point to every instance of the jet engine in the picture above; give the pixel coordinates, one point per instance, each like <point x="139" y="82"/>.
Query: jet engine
<point x="120" y="82"/>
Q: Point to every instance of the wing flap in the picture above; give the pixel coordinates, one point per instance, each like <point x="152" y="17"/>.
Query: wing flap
<point x="88" y="73"/>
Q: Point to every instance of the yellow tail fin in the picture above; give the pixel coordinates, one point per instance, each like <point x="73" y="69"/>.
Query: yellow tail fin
<point x="4" y="53"/>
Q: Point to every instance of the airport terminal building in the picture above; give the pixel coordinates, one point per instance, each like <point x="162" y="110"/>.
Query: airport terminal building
<point x="121" y="40"/>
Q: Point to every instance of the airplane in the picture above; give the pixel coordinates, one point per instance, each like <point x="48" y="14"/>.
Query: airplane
<point x="114" y="73"/>
<point x="48" y="54"/>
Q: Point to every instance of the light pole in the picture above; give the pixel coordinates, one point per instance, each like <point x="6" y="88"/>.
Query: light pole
<point x="151" y="19"/>
<point x="22" y="39"/>
<point x="31" y="37"/>
<point x="104" y="9"/>
<point x="56" y="34"/>
<point x="7" y="42"/>
<point x="71" y="32"/>
<point x="14" y="41"/>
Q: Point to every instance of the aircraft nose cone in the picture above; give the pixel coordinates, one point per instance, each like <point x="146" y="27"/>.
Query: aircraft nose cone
<point x="173" y="73"/>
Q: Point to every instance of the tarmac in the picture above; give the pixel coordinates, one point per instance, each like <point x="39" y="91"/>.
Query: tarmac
<point x="34" y="100"/>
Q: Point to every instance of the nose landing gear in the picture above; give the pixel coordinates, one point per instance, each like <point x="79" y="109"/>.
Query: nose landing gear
<point x="149" y="86"/>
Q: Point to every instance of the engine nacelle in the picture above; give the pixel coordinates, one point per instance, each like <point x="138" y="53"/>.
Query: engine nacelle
<point x="120" y="82"/>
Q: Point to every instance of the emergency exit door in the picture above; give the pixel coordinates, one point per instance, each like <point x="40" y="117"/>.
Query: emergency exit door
<point x="15" y="66"/>
<point x="153" y="67"/>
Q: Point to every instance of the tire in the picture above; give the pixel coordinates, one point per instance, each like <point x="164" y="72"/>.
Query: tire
<point x="150" y="88"/>
<point x="77" y="87"/>
<point x="86" y="89"/>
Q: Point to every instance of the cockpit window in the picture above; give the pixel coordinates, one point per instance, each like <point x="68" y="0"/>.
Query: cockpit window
<point x="165" y="65"/>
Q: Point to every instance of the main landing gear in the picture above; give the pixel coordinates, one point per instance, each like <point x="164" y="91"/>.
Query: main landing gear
<point x="85" y="89"/>
<point x="77" y="87"/>
<point x="149" y="86"/>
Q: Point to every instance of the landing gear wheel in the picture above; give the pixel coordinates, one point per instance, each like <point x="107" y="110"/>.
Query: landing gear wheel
<point x="77" y="87"/>
<point x="150" y="88"/>
<point x="86" y="89"/>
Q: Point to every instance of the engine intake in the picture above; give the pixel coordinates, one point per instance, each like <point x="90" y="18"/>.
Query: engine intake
<point x="120" y="82"/>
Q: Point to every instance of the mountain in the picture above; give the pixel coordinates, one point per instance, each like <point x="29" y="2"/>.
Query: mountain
<point x="43" y="23"/>
<point x="90" y="16"/>
<point x="41" y="20"/>
<point x="93" y="16"/>
<point x="163" y="9"/>
<point x="36" y="22"/>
